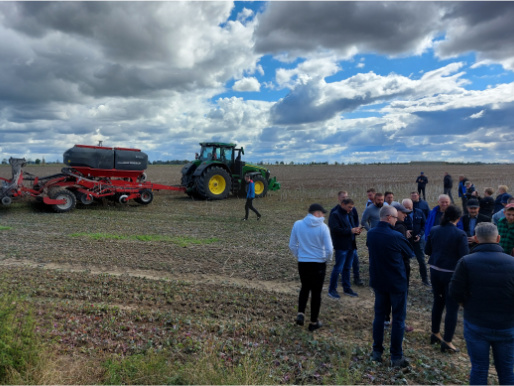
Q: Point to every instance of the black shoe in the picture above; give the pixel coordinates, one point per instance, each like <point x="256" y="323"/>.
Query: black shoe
<point x="402" y="362"/>
<point x="376" y="356"/>
<point x="300" y="319"/>
<point x="258" y="218"/>
<point x="434" y="339"/>
<point x="244" y="219"/>
<point x="315" y="326"/>
<point x="445" y="347"/>
<point x="427" y="284"/>
<point x="359" y="282"/>
<point x="351" y="293"/>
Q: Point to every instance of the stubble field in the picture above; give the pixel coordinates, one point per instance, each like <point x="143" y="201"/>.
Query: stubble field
<point x="186" y="287"/>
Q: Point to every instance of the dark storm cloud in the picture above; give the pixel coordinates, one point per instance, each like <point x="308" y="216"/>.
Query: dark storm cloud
<point x="485" y="27"/>
<point x="384" y="27"/>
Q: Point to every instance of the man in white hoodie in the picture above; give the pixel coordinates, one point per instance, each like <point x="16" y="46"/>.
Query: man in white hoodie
<point x="311" y="244"/>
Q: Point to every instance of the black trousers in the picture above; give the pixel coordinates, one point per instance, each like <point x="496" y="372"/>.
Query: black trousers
<point x="248" y="206"/>
<point x="312" y="276"/>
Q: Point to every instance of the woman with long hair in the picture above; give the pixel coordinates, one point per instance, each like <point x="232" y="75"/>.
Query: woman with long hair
<point x="446" y="244"/>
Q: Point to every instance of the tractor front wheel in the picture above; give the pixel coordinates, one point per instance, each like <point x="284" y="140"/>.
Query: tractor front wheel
<point x="261" y="186"/>
<point x="214" y="184"/>
<point x="69" y="200"/>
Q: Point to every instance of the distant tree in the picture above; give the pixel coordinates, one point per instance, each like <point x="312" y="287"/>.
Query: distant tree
<point x="37" y="161"/>
<point x="4" y="161"/>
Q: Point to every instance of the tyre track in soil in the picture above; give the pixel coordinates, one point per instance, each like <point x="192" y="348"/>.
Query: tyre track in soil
<point x="271" y="286"/>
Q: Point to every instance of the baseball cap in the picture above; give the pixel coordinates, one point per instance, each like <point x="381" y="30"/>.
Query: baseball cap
<point x="400" y="207"/>
<point x="473" y="203"/>
<point x="316" y="207"/>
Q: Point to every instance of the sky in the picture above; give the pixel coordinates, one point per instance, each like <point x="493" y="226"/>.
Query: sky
<point x="292" y="81"/>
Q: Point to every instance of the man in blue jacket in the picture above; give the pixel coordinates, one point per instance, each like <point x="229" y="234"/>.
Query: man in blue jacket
<point x="388" y="278"/>
<point x="343" y="231"/>
<point x="250" y="195"/>
<point x="435" y="215"/>
<point x="483" y="283"/>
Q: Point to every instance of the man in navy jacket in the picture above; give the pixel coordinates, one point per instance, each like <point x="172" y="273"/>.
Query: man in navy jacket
<point x="415" y="221"/>
<point x="388" y="278"/>
<point x="483" y="283"/>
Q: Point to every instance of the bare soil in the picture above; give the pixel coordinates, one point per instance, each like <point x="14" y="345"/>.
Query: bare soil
<point x="100" y="296"/>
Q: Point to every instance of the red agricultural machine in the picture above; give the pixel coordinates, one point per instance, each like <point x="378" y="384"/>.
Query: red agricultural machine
<point x="94" y="172"/>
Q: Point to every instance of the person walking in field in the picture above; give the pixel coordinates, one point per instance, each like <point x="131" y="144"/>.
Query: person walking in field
<point x="448" y="185"/>
<point x="311" y="244"/>
<point x="483" y="283"/>
<point x="422" y="182"/>
<point x="250" y="195"/>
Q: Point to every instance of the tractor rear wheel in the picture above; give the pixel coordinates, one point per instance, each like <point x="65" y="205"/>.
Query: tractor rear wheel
<point x="69" y="200"/>
<point x="214" y="184"/>
<point x="261" y="186"/>
<point x="146" y="197"/>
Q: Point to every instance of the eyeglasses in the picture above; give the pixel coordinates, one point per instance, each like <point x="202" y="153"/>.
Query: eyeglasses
<point x="390" y="215"/>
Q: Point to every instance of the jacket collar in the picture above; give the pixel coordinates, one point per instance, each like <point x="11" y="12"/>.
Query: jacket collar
<point x="488" y="247"/>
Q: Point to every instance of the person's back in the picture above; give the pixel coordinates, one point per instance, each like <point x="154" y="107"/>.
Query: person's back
<point x="488" y="297"/>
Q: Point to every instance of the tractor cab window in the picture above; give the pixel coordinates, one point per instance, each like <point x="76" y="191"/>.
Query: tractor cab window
<point x="217" y="154"/>
<point x="228" y="154"/>
<point x="206" y="154"/>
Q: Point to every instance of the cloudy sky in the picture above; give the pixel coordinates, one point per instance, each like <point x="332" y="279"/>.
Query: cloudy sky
<point x="289" y="81"/>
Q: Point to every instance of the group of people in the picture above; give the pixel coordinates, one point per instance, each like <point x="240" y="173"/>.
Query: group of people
<point x="471" y="264"/>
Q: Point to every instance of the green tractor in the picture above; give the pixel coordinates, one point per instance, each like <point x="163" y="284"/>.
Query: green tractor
<point x="218" y="170"/>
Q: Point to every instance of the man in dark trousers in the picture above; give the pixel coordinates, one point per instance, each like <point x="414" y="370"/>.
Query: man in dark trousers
<point x="250" y="195"/>
<point x="422" y="182"/>
<point x="415" y="221"/>
<point x="483" y="283"/>
<point x="388" y="278"/>
<point x="343" y="231"/>
<point x="448" y="185"/>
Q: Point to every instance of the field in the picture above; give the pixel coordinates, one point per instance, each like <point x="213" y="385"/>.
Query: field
<point x="182" y="292"/>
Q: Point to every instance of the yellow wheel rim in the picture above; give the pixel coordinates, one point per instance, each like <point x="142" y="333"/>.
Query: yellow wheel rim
<point x="217" y="184"/>
<point x="259" y="187"/>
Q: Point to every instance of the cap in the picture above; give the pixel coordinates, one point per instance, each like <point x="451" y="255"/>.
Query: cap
<point x="400" y="207"/>
<point x="316" y="207"/>
<point x="473" y="203"/>
<point x="505" y="198"/>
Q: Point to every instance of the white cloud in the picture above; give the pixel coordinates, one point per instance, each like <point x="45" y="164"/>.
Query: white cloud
<point x="247" y="84"/>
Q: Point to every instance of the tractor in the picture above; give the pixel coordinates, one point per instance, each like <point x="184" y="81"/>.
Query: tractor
<point x="218" y="170"/>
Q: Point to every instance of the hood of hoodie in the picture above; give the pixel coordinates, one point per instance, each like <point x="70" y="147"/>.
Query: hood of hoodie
<point x="313" y="221"/>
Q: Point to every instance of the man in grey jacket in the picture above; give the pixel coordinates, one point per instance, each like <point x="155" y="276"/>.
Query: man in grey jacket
<point x="371" y="217"/>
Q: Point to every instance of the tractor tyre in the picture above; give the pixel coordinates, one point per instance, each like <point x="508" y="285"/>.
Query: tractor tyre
<point x="69" y="200"/>
<point x="214" y="184"/>
<point x="261" y="186"/>
<point x="146" y="197"/>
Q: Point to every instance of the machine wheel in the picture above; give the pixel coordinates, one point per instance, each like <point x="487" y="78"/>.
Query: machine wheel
<point x="70" y="200"/>
<point x="83" y="198"/>
<point x="6" y="201"/>
<point x="214" y="184"/>
<point x="261" y="186"/>
<point x="142" y="177"/>
<point x="146" y="197"/>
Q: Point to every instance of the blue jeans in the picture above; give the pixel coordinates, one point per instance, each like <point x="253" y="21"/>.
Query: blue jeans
<point x="479" y="340"/>
<point x="356" y="266"/>
<point x="384" y="302"/>
<point x="343" y="264"/>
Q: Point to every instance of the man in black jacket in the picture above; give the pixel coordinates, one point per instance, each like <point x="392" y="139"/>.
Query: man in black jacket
<point x="415" y="221"/>
<point x="483" y="283"/>
<point x="343" y="232"/>
<point x="422" y="182"/>
<point x="448" y="185"/>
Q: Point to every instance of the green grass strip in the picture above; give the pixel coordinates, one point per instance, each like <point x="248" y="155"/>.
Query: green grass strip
<point x="4" y="228"/>
<point x="182" y="241"/>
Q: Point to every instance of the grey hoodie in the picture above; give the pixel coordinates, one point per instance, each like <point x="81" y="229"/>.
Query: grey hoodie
<point x="310" y="240"/>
